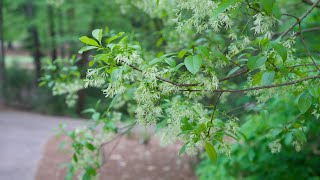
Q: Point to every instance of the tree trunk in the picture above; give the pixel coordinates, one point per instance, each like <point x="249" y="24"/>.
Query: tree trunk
<point x="52" y="32"/>
<point x="61" y="32"/>
<point x="33" y="32"/>
<point x="82" y="94"/>
<point x="2" y="53"/>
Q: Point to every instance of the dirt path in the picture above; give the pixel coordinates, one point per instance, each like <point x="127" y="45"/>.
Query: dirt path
<point x="28" y="150"/>
<point x="22" y="139"/>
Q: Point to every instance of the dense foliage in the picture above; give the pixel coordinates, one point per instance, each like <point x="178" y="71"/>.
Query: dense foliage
<point x="203" y="62"/>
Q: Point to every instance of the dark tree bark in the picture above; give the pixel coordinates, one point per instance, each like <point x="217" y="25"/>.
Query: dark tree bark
<point x="52" y="32"/>
<point x="61" y="31"/>
<point x="82" y="94"/>
<point x="83" y="66"/>
<point x="36" y="46"/>
<point x="2" y="53"/>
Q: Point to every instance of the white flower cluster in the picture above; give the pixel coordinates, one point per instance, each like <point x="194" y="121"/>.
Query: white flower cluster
<point x="95" y="78"/>
<point x="297" y="146"/>
<point x="128" y="58"/>
<point x="201" y="17"/>
<point x="237" y="46"/>
<point x="263" y="24"/>
<point x="70" y="87"/>
<point x="232" y="126"/>
<point x="275" y="146"/>
<point x="114" y="88"/>
<point x="147" y="111"/>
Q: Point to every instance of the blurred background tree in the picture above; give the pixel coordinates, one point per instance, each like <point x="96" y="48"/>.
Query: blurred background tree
<point x="33" y="32"/>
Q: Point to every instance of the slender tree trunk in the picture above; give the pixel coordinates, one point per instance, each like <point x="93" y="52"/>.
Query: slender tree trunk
<point x="36" y="49"/>
<point x="82" y="94"/>
<point x="2" y="53"/>
<point x="83" y="67"/>
<point x="61" y="32"/>
<point x="52" y="32"/>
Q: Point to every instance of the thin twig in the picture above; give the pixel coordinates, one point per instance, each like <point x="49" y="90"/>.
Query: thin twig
<point x="259" y="87"/>
<point x="301" y="18"/>
<point x="306" y="47"/>
<point x="214" y="109"/>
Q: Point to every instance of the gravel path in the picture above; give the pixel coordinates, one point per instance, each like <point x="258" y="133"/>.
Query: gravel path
<point x="23" y="136"/>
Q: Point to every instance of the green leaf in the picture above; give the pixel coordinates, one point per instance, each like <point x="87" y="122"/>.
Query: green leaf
<point x="75" y="158"/>
<point x="89" y="41"/>
<point x="90" y="146"/>
<point x="233" y="70"/>
<point x="276" y="12"/>
<point x="223" y="6"/>
<point x="185" y="125"/>
<point x="255" y="62"/>
<point x="219" y="54"/>
<point x="203" y="50"/>
<point x="97" y="34"/>
<point x="183" y="149"/>
<point x="314" y="91"/>
<point x="281" y="50"/>
<point x="95" y="116"/>
<point x="109" y="40"/>
<point x="257" y="78"/>
<point x="304" y="102"/>
<point x="171" y="62"/>
<point x="178" y="67"/>
<point x="268" y="77"/>
<point x="210" y="151"/>
<point x="182" y="53"/>
<point x="90" y="172"/>
<point x="86" y="48"/>
<point x="268" y="5"/>
<point x="193" y="63"/>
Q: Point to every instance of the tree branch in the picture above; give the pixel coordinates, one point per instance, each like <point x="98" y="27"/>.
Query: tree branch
<point x="301" y="18"/>
<point x="310" y="3"/>
<point x="259" y="87"/>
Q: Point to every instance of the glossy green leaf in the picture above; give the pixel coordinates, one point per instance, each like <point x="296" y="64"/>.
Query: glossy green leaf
<point x="314" y="91"/>
<point x="268" y="77"/>
<point x="170" y="61"/>
<point x="220" y="55"/>
<point x="183" y="149"/>
<point x="210" y="151"/>
<point x="304" y="102"/>
<point x="182" y="53"/>
<point x="193" y="63"/>
<point x="255" y="62"/>
<point x="257" y="78"/>
<point x="235" y="69"/>
<point x="276" y="12"/>
<point x="268" y="5"/>
<point x="203" y="51"/>
<point x="97" y="34"/>
<point x="90" y="146"/>
<point x="178" y="67"/>
<point x="281" y="50"/>
<point x="109" y="40"/>
<point x="75" y="158"/>
<point x="89" y="41"/>
<point x="86" y="48"/>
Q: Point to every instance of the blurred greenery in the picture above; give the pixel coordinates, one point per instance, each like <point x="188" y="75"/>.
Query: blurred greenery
<point x="58" y="27"/>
